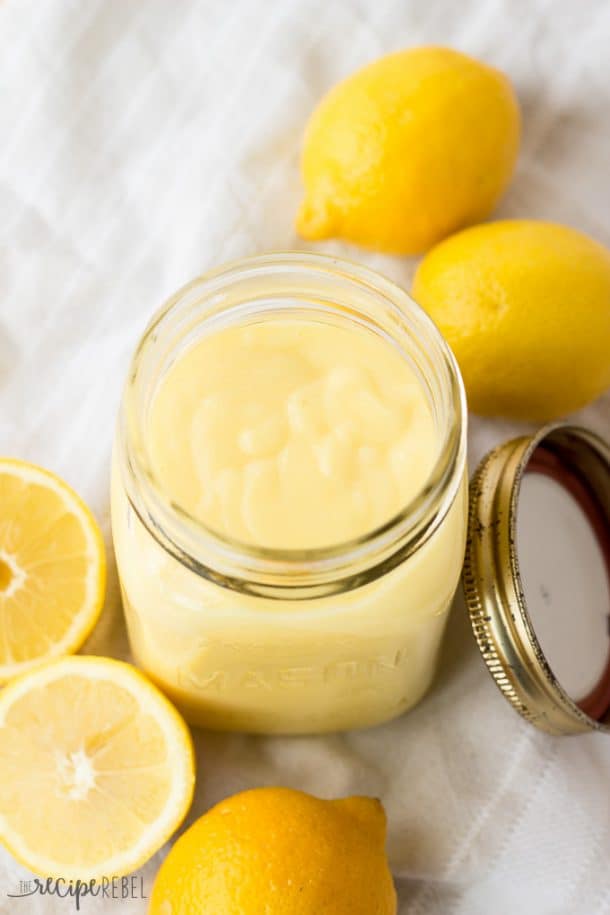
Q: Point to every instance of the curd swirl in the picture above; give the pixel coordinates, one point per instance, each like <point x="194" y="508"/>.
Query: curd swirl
<point x="292" y="434"/>
<point x="286" y="549"/>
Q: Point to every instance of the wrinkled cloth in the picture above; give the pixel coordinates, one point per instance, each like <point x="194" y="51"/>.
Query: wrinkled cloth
<point x="144" y="141"/>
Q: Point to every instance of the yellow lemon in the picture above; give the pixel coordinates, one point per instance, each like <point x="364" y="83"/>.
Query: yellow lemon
<point x="407" y="150"/>
<point x="274" y="851"/>
<point x="52" y="568"/>
<point x="525" y="306"/>
<point x="96" y="768"/>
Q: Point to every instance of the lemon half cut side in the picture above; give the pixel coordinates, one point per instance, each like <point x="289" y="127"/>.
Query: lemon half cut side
<point x="96" y="768"/>
<point x="52" y="568"/>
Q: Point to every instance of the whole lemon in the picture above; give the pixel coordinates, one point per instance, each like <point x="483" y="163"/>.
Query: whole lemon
<point x="525" y="306"/>
<point x="274" y="851"/>
<point x="407" y="150"/>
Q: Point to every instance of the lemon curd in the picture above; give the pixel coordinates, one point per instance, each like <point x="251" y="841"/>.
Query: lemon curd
<point x="292" y="434"/>
<point x="289" y="498"/>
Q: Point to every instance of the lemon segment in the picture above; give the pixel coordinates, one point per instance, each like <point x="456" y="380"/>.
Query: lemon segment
<point x="96" y="768"/>
<point x="52" y="568"/>
<point x="407" y="150"/>
<point x="280" y="852"/>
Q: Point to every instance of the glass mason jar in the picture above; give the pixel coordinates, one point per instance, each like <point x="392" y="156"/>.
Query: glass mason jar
<point x="289" y="641"/>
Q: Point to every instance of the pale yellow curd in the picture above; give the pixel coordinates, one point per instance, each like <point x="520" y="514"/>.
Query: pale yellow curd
<point x="292" y="434"/>
<point x="271" y="575"/>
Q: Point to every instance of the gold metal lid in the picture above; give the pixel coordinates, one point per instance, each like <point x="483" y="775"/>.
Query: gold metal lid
<point x="579" y="461"/>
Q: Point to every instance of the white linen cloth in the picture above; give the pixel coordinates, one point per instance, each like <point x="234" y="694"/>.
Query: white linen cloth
<point x="143" y="141"/>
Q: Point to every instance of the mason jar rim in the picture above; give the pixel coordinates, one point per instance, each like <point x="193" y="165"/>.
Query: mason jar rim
<point x="292" y="572"/>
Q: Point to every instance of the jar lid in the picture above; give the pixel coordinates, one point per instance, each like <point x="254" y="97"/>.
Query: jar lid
<point x="537" y="576"/>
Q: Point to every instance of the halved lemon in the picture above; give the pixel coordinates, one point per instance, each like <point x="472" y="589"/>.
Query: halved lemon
<point x="52" y="568"/>
<point x="96" y="768"/>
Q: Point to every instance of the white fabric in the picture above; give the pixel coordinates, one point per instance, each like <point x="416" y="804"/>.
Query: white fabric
<point x="145" y="140"/>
